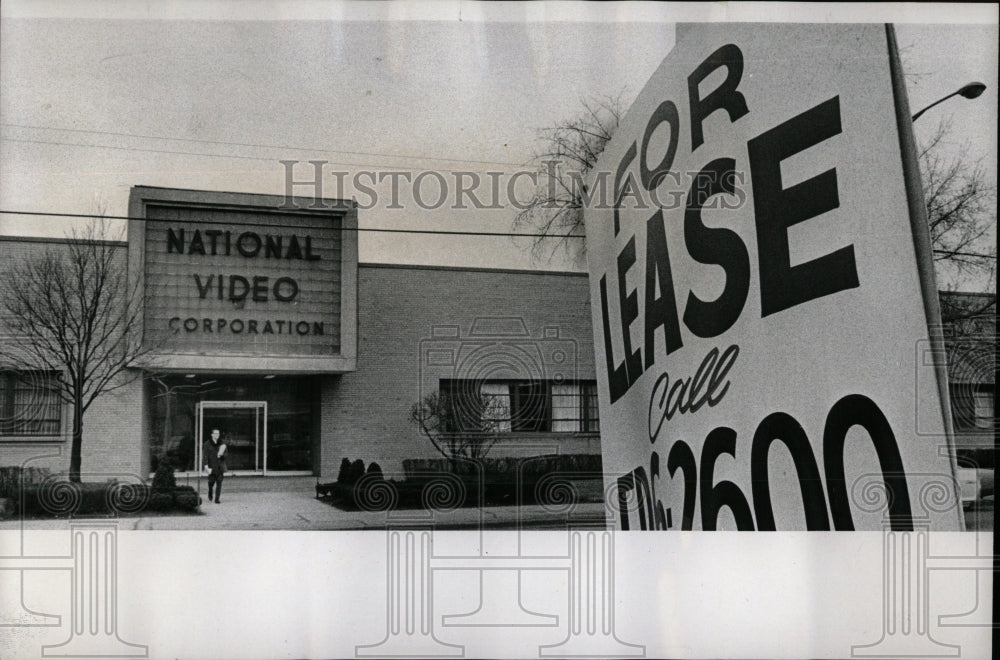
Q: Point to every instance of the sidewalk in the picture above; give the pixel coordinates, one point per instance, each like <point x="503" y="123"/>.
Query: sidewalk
<point x="300" y="510"/>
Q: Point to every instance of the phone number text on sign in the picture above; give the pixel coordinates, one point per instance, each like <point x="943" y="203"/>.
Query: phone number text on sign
<point x="638" y="487"/>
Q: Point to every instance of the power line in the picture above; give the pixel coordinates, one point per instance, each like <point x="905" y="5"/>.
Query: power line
<point x="192" y="153"/>
<point x="260" y="146"/>
<point x="434" y="232"/>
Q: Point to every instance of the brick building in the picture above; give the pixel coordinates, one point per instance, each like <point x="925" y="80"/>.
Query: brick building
<point x="258" y="319"/>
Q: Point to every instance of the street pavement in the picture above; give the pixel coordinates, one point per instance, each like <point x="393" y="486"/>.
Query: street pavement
<point x="293" y="506"/>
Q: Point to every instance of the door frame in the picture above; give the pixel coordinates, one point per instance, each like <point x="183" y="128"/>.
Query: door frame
<point x="257" y="406"/>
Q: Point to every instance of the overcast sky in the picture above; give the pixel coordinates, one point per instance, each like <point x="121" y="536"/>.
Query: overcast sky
<point x="93" y="106"/>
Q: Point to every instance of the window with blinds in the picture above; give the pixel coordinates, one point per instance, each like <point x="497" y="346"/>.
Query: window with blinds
<point x="29" y="404"/>
<point x="506" y="406"/>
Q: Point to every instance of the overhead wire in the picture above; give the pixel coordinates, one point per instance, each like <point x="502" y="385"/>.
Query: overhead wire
<point x="300" y="211"/>
<point x="292" y="148"/>
<point x="236" y="144"/>
<point x="312" y="211"/>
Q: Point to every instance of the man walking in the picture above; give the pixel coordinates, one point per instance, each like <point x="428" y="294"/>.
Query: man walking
<point x="214" y="454"/>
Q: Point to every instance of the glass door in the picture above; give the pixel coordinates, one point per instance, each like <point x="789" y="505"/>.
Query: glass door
<point x="243" y="427"/>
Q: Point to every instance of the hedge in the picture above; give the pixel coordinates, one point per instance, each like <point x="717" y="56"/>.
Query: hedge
<point x="437" y="483"/>
<point x="417" y="468"/>
<point x="44" y="495"/>
<point x="11" y="478"/>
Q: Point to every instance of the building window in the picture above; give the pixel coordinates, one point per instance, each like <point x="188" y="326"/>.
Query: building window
<point x="529" y="406"/>
<point x="29" y="403"/>
<point x="984" y="410"/>
<point x="291" y="441"/>
<point x="496" y="407"/>
<point x="591" y="417"/>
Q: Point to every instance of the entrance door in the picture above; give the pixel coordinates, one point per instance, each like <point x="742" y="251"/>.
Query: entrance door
<point x="243" y="426"/>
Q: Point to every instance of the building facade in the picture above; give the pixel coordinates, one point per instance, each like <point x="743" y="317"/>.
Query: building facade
<point x="257" y="319"/>
<point x="970" y="335"/>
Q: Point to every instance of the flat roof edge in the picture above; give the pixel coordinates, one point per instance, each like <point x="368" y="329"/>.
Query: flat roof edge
<point x="268" y="201"/>
<point x="478" y="269"/>
<point x="51" y="239"/>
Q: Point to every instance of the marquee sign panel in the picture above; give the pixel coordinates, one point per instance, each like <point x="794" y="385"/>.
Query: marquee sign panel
<point x="242" y="278"/>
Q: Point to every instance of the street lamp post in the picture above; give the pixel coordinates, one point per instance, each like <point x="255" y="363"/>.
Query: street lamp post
<point x="970" y="91"/>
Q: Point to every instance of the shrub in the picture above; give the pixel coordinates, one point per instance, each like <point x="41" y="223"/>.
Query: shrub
<point x="417" y="468"/>
<point x="498" y="477"/>
<point x="63" y="498"/>
<point x="350" y="472"/>
<point x="185" y="498"/>
<point x="163" y="478"/>
<point x="501" y="476"/>
<point x="29" y="501"/>
<point x="161" y="501"/>
<point x="345" y="470"/>
<point x="357" y="470"/>
<point x="12" y="477"/>
<point x="126" y="497"/>
<point x="375" y="469"/>
<point x="93" y="499"/>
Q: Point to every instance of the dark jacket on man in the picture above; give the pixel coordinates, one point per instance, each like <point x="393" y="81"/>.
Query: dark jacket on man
<point x="212" y="459"/>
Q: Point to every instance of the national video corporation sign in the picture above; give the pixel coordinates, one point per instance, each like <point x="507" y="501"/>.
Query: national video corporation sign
<point x="238" y="289"/>
<point x="239" y="279"/>
<point x="760" y="345"/>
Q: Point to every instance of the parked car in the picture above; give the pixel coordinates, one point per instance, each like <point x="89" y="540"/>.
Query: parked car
<point x="968" y="485"/>
<point x="974" y="483"/>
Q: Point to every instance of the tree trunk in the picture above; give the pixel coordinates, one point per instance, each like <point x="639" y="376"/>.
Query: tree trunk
<point x="75" y="454"/>
<point x="166" y="432"/>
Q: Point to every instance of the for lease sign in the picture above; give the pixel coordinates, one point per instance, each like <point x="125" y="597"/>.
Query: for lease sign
<point x="758" y="315"/>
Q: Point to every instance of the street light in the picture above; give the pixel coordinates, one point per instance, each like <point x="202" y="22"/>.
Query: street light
<point x="970" y="91"/>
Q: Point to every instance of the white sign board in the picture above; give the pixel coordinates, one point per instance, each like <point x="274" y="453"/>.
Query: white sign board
<point x="758" y="312"/>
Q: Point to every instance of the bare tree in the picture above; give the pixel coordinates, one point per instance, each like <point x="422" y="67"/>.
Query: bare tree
<point x="961" y="210"/>
<point x="568" y="151"/>
<point x="960" y="200"/>
<point x="458" y="429"/>
<point x="72" y="312"/>
<point x="958" y="308"/>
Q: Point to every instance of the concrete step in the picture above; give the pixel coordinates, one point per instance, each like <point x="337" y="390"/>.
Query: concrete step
<point x="236" y="483"/>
